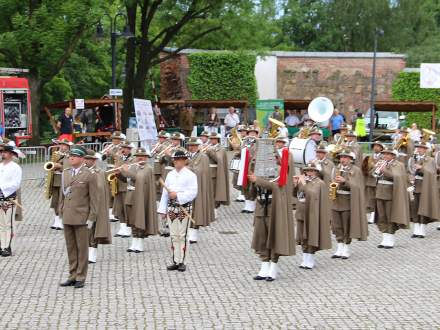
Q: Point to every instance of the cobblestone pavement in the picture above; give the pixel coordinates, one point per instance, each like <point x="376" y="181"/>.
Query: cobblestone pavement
<point x="375" y="288"/>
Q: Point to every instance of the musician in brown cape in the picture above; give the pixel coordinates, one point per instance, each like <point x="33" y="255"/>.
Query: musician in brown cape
<point x="250" y="191"/>
<point x="355" y="147"/>
<point x="437" y="164"/>
<point x="204" y="137"/>
<point x="203" y="205"/>
<point x="100" y="233"/>
<point x="165" y="157"/>
<point x="392" y="202"/>
<point x="242" y="131"/>
<point x="140" y="200"/>
<point x="312" y="214"/>
<point x="60" y="165"/>
<point x="119" y="200"/>
<point x="425" y="206"/>
<point x="274" y="231"/>
<point x="326" y="164"/>
<point x="348" y="208"/>
<point x="218" y="156"/>
<point x="368" y="164"/>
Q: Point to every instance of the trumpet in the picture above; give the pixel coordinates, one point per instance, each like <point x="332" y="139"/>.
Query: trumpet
<point x="110" y="172"/>
<point x="153" y="151"/>
<point x="160" y="154"/>
<point x="379" y="167"/>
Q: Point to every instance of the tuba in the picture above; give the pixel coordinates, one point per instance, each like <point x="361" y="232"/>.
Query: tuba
<point x="276" y="124"/>
<point x="427" y="134"/>
<point x="320" y="109"/>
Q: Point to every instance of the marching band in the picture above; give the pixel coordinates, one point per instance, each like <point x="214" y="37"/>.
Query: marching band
<point x="176" y="187"/>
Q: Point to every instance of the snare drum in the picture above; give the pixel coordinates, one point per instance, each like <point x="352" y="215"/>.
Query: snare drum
<point x="234" y="165"/>
<point x="303" y="151"/>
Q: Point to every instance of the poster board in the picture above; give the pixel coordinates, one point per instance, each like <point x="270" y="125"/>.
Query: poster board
<point x="145" y="122"/>
<point x="430" y="75"/>
<point x="265" y="108"/>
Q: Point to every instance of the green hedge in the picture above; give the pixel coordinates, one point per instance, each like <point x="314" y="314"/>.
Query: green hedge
<point x="223" y="76"/>
<point x="406" y="87"/>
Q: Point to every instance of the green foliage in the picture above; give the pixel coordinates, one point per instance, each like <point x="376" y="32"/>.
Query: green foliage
<point x="223" y="76"/>
<point x="406" y="87"/>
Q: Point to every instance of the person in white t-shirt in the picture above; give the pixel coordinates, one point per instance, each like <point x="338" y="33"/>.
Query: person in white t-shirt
<point x="231" y="120"/>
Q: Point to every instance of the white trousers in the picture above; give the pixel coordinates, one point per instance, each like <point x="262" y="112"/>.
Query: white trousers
<point x="6" y="223"/>
<point x="179" y="245"/>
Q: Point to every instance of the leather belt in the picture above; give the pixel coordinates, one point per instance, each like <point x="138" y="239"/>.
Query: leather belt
<point x="343" y="192"/>
<point x="386" y="182"/>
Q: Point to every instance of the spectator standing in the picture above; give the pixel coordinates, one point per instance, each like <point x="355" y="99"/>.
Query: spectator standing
<point x="292" y="120"/>
<point x="336" y="121"/>
<point x="231" y="120"/>
<point x="88" y="118"/>
<point x="65" y="125"/>
<point x="77" y="125"/>
<point x="414" y="133"/>
<point x="360" y="127"/>
<point x="186" y="120"/>
<point x="213" y="121"/>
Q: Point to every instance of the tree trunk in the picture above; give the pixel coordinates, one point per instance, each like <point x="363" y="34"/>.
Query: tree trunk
<point x="36" y="107"/>
<point x="130" y="61"/>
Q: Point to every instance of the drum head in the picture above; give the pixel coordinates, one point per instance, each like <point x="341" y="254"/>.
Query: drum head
<point x="309" y="151"/>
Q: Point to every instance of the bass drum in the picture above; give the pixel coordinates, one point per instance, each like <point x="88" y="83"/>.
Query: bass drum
<point x="303" y="151"/>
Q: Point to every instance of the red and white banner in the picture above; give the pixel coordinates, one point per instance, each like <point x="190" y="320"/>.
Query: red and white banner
<point x="244" y="168"/>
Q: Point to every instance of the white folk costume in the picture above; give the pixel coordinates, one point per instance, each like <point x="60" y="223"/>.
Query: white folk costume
<point x="184" y="183"/>
<point x="10" y="180"/>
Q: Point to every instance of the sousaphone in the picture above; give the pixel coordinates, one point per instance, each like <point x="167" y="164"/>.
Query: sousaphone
<point x="320" y="109"/>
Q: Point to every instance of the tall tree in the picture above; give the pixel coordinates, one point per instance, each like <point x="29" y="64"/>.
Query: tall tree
<point x="41" y="35"/>
<point x="157" y="24"/>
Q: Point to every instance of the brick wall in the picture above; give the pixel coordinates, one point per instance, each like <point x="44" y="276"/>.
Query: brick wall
<point x="346" y="81"/>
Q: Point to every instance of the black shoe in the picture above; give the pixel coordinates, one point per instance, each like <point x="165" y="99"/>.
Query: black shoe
<point x="58" y="228"/>
<point x="259" y="278"/>
<point x="414" y="236"/>
<point x="137" y="251"/>
<point x="335" y="256"/>
<point x="302" y="267"/>
<point x="249" y="212"/>
<point x="380" y="246"/>
<point x="344" y="258"/>
<point x="53" y="227"/>
<point x="6" y="252"/>
<point x="192" y="242"/>
<point x="181" y="267"/>
<point x="124" y="236"/>
<point x="172" y="267"/>
<point x="243" y="211"/>
<point x="130" y="250"/>
<point x="239" y="201"/>
<point x="79" y="284"/>
<point x="92" y="262"/>
<point x="270" y="279"/>
<point x="116" y="235"/>
<point x="421" y="236"/>
<point x="388" y="247"/>
<point x="438" y="228"/>
<point x="68" y="283"/>
<point x="114" y="220"/>
<point x="165" y="235"/>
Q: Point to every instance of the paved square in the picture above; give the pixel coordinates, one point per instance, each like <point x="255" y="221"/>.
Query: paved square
<point x="375" y="288"/>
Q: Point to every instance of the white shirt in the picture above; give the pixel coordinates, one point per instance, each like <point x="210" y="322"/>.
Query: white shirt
<point x="292" y="120"/>
<point x="415" y="135"/>
<point x="184" y="183"/>
<point x="10" y="178"/>
<point x="232" y="120"/>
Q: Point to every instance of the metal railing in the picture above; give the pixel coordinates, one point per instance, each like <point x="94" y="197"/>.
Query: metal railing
<point x="32" y="165"/>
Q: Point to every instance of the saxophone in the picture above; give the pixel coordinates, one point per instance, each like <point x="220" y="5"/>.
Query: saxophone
<point x="333" y="187"/>
<point x="49" y="167"/>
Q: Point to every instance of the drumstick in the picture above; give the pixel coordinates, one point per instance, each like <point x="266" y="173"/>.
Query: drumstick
<point x="162" y="183"/>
